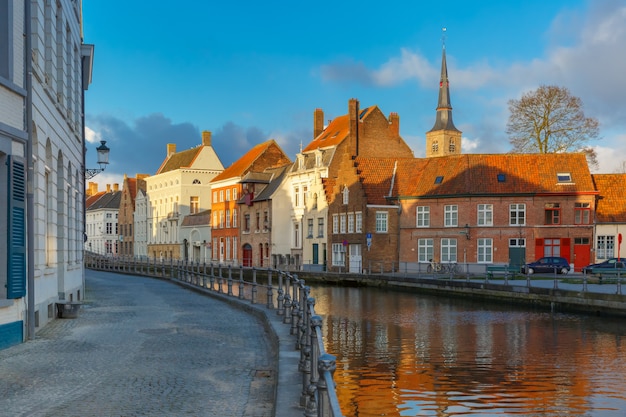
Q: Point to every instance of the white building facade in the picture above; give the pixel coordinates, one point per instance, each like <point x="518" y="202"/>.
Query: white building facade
<point x="41" y="133"/>
<point x="140" y="249"/>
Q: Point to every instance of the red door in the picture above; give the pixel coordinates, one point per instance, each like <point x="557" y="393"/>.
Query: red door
<point x="582" y="256"/>
<point x="247" y="255"/>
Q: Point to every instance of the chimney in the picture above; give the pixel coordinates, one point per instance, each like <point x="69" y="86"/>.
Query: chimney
<point x="171" y="149"/>
<point x="93" y="188"/>
<point x="108" y="188"/>
<point x="353" y="127"/>
<point x="206" y="138"/>
<point x="394" y="124"/>
<point x="116" y="187"/>
<point x="318" y="122"/>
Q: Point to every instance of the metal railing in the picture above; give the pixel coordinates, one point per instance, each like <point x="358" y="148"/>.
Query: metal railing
<point x="288" y="296"/>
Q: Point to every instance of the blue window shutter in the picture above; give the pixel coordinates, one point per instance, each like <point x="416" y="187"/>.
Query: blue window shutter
<point x="16" y="243"/>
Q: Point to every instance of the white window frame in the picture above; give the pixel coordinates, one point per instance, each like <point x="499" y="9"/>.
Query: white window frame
<point x="335" y="224"/>
<point x="485" y="214"/>
<point x="358" y="222"/>
<point x="451" y="215"/>
<point x="339" y="254"/>
<point x="425" y="249"/>
<point x="422" y="216"/>
<point x="448" y="250"/>
<point x="350" y="222"/>
<point x="346" y="195"/>
<point x="516" y="211"/>
<point x="342" y="223"/>
<point x="382" y="222"/>
<point x="484" y="250"/>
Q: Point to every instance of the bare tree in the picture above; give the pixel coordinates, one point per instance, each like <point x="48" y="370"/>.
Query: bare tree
<point x="551" y="120"/>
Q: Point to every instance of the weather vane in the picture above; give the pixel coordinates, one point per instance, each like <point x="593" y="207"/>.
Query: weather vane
<point x="443" y="37"/>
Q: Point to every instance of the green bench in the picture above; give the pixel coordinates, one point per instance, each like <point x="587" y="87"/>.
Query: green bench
<point x="504" y="269"/>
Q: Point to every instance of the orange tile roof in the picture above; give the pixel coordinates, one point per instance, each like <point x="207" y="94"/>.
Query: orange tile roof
<point x="243" y="164"/>
<point x="474" y="174"/>
<point x="337" y="131"/>
<point x="92" y="199"/>
<point x="611" y="206"/>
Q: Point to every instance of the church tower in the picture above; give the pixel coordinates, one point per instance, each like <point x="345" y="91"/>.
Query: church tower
<point x="443" y="139"/>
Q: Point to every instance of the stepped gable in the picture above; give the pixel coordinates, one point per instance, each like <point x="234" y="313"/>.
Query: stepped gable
<point x="611" y="205"/>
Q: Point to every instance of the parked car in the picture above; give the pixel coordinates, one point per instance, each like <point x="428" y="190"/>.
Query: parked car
<point x="607" y="266"/>
<point x="547" y="264"/>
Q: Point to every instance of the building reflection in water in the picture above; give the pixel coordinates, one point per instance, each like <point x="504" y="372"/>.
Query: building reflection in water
<point x="406" y="354"/>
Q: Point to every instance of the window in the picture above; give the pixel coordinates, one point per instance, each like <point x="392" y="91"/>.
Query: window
<point x="517" y="214"/>
<point x="605" y="247"/>
<point x="451" y="216"/>
<point x="228" y="195"/>
<point x="448" y="250"/>
<point x="350" y="222"/>
<point x="266" y="220"/>
<point x="342" y="223"/>
<point x="435" y="147"/>
<point x="221" y="219"/>
<point x="485" y="215"/>
<point x="359" y="222"/>
<point x="305" y="191"/>
<point x="424" y="250"/>
<point x="335" y="224"/>
<point x="296" y="194"/>
<point x="423" y="216"/>
<point x="196" y="182"/>
<point x="215" y="219"/>
<point x="517" y="243"/>
<point x="552" y="247"/>
<point x="346" y="194"/>
<point x="258" y="221"/>
<point x="320" y="227"/>
<point x="582" y="213"/>
<point x="339" y="255"/>
<point x="501" y="177"/>
<point x="296" y="234"/>
<point x="451" y="146"/>
<point x="227" y="218"/>
<point x="221" y="196"/>
<point x="564" y="177"/>
<point x="6" y="39"/>
<point x="309" y="233"/>
<point x="553" y="213"/>
<point x="234" y="217"/>
<point x="246" y="223"/>
<point x="194" y="205"/>
<point x="485" y="251"/>
<point x="234" y="194"/>
<point x="109" y="228"/>
<point x="439" y="179"/>
<point x="381" y="221"/>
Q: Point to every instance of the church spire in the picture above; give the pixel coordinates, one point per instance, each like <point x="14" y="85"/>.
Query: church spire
<point x="444" y="108"/>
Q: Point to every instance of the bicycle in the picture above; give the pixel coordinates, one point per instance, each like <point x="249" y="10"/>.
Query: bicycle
<point x="437" y="267"/>
<point x="453" y="268"/>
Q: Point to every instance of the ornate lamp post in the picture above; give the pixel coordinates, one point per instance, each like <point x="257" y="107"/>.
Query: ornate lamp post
<point x="103" y="160"/>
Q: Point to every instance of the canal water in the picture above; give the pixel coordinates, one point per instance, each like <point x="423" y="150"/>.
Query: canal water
<point x="406" y="354"/>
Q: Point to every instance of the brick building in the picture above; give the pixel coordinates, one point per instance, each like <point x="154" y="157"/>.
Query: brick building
<point x="610" y="217"/>
<point x="126" y="215"/>
<point x="226" y="189"/>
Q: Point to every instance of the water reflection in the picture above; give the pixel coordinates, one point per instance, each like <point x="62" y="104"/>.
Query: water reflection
<point x="403" y="354"/>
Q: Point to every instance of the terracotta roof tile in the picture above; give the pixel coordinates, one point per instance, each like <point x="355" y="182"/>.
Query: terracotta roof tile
<point x="243" y="164"/>
<point x="611" y="206"/>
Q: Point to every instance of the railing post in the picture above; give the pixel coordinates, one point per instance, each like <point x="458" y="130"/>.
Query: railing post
<point x="241" y="284"/>
<point x="281" y="297"/>
<point x="305" y="351"/>
<point x="254" y="288"/>
<point x="270" y="293"/>
<point x="219" y="279"/>
<point x="212" y="277"/>
<point x="556" y="280"/>
<point x="619" y="284"/>
<point x="295" y="307"/>
<point x="326" y="363"/>
<point x="230" y="281"/>
<point x="584" y="282"/>
<point x="287" y="302"/>
<point x="311" y="407"/>
<point x="203" y="274"/>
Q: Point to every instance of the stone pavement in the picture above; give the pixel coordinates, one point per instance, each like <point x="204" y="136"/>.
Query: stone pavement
<point x="142" y="347"/>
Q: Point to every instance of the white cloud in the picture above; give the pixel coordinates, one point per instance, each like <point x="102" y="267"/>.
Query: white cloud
<point x="92" y="136"/>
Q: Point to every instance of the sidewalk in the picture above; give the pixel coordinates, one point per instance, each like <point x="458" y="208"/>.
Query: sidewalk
<point x="142" y="346"/>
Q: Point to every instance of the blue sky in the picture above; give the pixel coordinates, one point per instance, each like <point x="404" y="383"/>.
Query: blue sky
<point x="250" y="71"/>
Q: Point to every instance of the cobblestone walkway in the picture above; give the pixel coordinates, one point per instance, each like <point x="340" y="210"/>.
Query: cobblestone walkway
<point x="142" y="347"/>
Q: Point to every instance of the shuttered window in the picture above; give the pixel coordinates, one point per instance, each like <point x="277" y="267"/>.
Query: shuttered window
<point x="16" y="242"/>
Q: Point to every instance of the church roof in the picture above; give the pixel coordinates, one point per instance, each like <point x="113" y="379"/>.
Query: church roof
<point x="444" y="107"/>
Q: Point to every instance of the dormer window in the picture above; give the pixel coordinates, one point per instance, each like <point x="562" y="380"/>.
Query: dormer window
<point x="564" y="177"/>
<point x="501" y="178"/>
<point x="439" y="179"/>
<point x="300" y="162"/>
<point x="346" y="193"/>
<point x="318" y="159"/>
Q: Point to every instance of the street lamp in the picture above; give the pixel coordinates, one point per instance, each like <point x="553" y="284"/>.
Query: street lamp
<point x="103" y="160"/>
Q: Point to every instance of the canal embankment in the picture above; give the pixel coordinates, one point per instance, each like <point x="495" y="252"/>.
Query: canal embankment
<point x="573" y="293"/>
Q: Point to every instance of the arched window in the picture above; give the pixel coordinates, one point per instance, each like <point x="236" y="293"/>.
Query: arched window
<point x="435" y="147"/>
<point x="452" y="146"/>
<point x="346" y="193"/>
<point x="196" y="181"/>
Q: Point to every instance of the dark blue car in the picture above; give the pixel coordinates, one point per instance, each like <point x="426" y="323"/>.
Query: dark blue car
<point x="608" y="266"/>
<point x="549" y="264"/>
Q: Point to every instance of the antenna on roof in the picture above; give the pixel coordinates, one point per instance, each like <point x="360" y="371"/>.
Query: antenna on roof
<point x="443" y="37"/>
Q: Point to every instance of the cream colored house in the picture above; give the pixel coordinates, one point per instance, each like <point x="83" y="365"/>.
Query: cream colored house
<point x="180" y="187"/>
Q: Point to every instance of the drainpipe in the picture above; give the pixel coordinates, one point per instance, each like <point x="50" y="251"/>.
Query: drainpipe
<point x="30" y="176"/>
